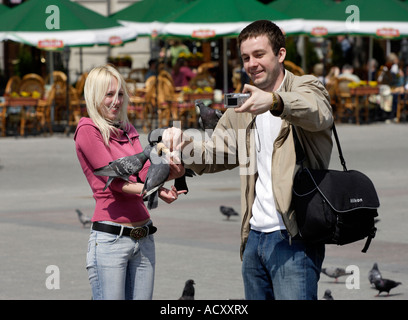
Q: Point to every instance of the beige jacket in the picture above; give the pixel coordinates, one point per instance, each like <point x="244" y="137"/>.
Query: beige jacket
<point x="307" y="107"/>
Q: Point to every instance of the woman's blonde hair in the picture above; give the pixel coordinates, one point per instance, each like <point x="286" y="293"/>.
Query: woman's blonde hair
<point x="96" y="86"/>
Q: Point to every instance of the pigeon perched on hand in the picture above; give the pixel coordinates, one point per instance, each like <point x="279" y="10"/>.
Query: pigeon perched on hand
<point x="156" y="135"/>
<point x="334" y="272"/>
<point x="374" y="274"/>
<point x="124" y="167"/>
<point x="327" y="295"/>
<point x="228" y="211"/>
<point x="188" y="291"/>
<point x="157" y="174"/>
<point x="85" y="220"/>
<point x="385" y="285"/>
<point x="208" y="116"/>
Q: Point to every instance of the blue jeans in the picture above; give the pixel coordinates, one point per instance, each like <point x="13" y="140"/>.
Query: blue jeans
<point x="119" y="267"/>
<point x="272" y="268"/>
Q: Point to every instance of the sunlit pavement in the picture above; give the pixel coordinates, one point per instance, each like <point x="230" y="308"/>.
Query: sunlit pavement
<point x="44" y="246"/>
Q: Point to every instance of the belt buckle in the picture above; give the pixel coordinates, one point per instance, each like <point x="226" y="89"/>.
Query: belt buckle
<point x="138" y="233"/>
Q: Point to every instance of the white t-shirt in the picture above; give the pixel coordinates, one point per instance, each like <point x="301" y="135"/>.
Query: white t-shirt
<point x="265" y="217"/>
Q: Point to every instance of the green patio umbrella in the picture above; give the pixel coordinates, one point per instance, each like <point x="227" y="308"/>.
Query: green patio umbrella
<point x="57" y="23"/>
<point x="214" y="18"/>
<point x="147" y="15"/>
<point x="359" y="17"/>
<point x="3" y="8"/>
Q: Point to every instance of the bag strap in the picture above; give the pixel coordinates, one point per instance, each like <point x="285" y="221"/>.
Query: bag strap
<point x="300" y="153"/>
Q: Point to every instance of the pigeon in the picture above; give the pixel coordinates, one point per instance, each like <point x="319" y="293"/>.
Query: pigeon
<point x="85" y="220"/>
<point x="155" y="136"/>
<point x="157" y="174"/>
<point x="327" y="295"/>
<point x="208" y="116"/>
<point x="188" y="291"/>
<point x="228" y="211"/>
<point x="374" y="274"/>
<point x="124" y="167"/>
<point x="333" y="272"/>
<point x="385" y="285"/>
<point x="181" y="183"/>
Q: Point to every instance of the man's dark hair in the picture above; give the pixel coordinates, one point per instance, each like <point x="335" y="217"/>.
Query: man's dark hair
<point x="264" y="27"/>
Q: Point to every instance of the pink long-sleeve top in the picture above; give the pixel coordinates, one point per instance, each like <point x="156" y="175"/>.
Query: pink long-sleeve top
<point x="112" y="204"/>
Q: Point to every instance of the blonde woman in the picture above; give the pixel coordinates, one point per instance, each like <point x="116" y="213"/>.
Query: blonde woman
<point x="121" y="250"/>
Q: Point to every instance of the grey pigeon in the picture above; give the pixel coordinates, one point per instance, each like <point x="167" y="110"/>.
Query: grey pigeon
<point x="228" y="211"/>
<point x="374" y="274"/>
<point x="157" y="175"/>
<point x="385" y="285"/>
<point x="124" y="167"/>
<point x="188" y="291"/>
<point x="85" y="220"/>
<point x="155" y="136"/>
<point x="327" y="295"/>
<point x="334" y="272"/>
<point x="208" y="116"/>
<point x="180" y="183"/>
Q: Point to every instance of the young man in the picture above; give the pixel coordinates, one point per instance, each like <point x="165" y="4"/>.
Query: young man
<point x="258" y="136"/>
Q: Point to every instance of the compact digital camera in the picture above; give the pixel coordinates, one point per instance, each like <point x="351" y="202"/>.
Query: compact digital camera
<point x="235" y="100"/>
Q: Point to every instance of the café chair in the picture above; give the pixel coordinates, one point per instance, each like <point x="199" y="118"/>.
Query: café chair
<point x="30" y="83"/>
<point x="138" y="75"/>
<point x="13" y="85"/>
<point x="160" y="93"/>
<point x="402" y="106"/>
<point x="3" y="117"/>
<point x="344" y="103"/>
<point x="292" y="67"/>
<point x="57" y="76"/>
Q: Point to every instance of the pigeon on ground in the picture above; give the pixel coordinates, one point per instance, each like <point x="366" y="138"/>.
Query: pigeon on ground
<point x="228" y="211"/>
<point x="385" y="285"/>
<point x="327" y="295"/>
<point x="124" y="167"/>
<point x="374" y="274"/>
<point x="208" y="116"/>
<point x="157" y="174"/>
<point x="334" y="272"/>
<point x="85" y="220"/>
<point x="188" y="291"/>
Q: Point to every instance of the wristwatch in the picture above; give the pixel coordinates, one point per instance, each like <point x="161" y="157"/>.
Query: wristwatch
<point x="274" y="104"/>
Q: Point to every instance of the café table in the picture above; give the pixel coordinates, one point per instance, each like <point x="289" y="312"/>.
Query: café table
<point x="362" y="92"/>
<point x="26" y="103"/>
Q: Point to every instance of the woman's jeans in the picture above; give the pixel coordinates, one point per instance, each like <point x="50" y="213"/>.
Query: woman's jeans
<point x="119" y="267"/>
<point x="273" y="268"/>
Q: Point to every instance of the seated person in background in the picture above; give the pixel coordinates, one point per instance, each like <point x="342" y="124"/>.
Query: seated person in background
<point x="152" y="71"/>
<point x="181" y="73"/>
<point x="347" y="72"/>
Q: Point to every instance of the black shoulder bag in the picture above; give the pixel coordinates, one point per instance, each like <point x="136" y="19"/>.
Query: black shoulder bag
<point x="333" y="207"/>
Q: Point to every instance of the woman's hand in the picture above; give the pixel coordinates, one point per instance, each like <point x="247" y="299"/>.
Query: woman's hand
<point x="169" y="196"/>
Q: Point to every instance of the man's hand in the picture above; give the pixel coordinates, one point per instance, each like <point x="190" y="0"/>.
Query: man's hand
<point x="259" y="102"/>
<point x="176" y="169"/>
<point x="174" y="139"/>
